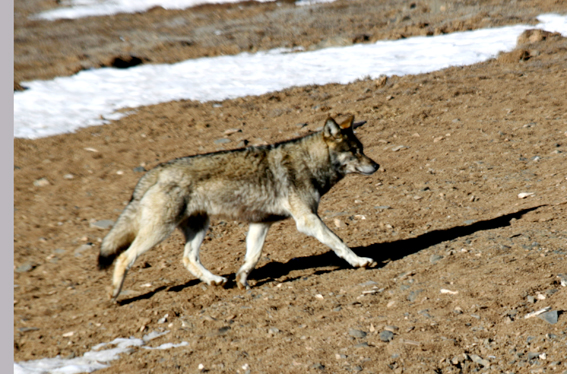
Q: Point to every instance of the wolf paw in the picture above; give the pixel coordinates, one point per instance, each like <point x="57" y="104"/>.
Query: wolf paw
<point x="241" y="281"/>
<point x="364" y="262"/>
<point x="217" y="281"/>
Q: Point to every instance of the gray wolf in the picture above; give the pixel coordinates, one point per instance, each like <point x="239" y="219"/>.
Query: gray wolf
<point x="258" y="184"/>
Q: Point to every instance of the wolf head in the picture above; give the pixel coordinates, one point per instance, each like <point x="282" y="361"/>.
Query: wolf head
<point x="346" y="151"/>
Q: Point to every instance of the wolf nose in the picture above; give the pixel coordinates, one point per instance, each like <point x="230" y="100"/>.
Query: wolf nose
<point x="375" y="166"/>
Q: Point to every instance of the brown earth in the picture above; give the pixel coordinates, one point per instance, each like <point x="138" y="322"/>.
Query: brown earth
<point x="442" y="213"/>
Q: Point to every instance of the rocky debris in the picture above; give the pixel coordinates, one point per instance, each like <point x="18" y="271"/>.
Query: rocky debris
<point x="104" y="224"/>
<point x="386" y="336"/>
<point x="222" y="141"/>
<point x="357" y="333"/>
<point x="25" y="267"/>
<point x="479" y="360"/>
<point x="41" y="182"/>
<point x="550" y="317"/>
<point x="435" y="259"/>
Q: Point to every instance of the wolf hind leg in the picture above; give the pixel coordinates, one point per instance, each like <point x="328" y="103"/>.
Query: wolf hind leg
<point x="159" y="214"/>
<point x="195" y="228"/>
<point x="120" y="236"/>
<point x="254" y="242"/>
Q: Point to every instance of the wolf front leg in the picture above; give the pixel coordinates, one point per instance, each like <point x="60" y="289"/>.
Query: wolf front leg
<point x="309" y="223"/>
<point x="254" y="242"/>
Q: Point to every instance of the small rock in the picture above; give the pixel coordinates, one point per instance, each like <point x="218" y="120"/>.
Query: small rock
<point x="550" y="317"/>
<point x="103" y="224"/>
<point x="369" y="283"/>
<point x="435" y="258"/>
<point x="413" y="295"/>
<point x="357" y="333"/>
<point x="28" y="329"/>
<point x="41" y="182"/>
<point x="397" y="148"/>
<point x="391" y="328"/>
<point x="562" y="279"/>
<point x="139" y="169"/>
<point x="163" y="319"/>
<point x="338" y="223"/>
<point x="68" y="176"/>
<point x="459" y="358"/>
<point x="469" y="221"/>
<point x="362" y="345"/>
<point x="273" y="330"/>
<point x="318" y="366"/>
<point x="523" y="195"/>
<point x="25" y="267"/>
<point x="386" y="336"/>
<point x="222" y="141"/>
<point x="231" y="131"/>
<point x="479" y="360"/>
<point x="531" y="299"/>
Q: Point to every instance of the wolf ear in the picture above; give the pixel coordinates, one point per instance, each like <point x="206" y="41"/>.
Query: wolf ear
<point x="331" y="129"/>
<point x="347" y="123"/>
<point x="358" y="124"/>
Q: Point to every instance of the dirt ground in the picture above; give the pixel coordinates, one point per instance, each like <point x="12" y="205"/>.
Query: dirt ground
<point x="462" y="259"/>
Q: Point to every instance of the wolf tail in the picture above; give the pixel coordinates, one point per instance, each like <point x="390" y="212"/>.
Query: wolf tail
<point x="126" y="228"/>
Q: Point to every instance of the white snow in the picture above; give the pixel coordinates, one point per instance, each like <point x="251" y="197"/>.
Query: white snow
<point x="93" y="97"/>
<point x="73" y="9"/>
<point x="93" y="360"/>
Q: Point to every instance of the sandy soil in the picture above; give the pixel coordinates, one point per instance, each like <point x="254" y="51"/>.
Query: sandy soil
<point x="456" y="148"/>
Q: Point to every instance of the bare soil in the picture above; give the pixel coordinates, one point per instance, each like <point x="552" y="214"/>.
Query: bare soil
<point x="456" y="148"/>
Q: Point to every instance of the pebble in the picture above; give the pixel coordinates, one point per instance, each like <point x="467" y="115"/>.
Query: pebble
<point x="386" y="336"/>
<point x="338" y="223"/>
<point x="139" y="169"/>
<point x="369" y="283"/>
<point x="163" y="319"/>
<point x="68" y="176"/>
<point x="479" y="360"/>
<point x="357" y="333"/>
<point x="222" y="141"/>
<point x="398" y="148"/>
<point x="41" y="182"/>
<point x="523" y="195"/>
<point x="469" y="221"/>
<point x="231" y="131"/>
<point x="549" y="317"/>
<point x="391" y="328"/>
<point x="563" y="279"/>
<point x="362" y="345"/>
<point x="25" y="267"/>
<point x="435" y="258"/>
<point x="103" y="224"/>
<point x="28" y="329"/>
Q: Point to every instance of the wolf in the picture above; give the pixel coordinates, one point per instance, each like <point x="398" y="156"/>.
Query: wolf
<point x="257" y="184"/>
